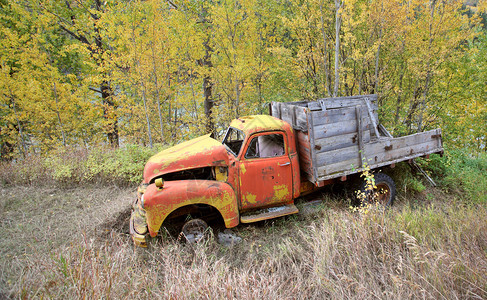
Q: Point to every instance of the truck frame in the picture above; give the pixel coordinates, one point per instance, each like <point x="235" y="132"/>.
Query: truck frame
<point x="265" y="162"/>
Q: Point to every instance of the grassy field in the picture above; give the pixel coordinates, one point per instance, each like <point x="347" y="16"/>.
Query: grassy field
<point x="73" y="243"/>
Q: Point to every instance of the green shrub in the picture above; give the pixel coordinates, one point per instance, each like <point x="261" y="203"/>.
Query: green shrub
<point x="460" y="171"/>
<point x="65" y="166"/>
<point x="406" y="180"/>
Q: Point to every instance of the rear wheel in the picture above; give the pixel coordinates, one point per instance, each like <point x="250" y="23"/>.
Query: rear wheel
<point x="384" y="191"/>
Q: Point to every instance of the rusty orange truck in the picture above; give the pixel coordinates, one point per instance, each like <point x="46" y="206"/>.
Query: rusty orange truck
<point x="264" y="162"/>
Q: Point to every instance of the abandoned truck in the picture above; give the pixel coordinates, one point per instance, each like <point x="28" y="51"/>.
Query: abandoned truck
<point x="265" y="162"/>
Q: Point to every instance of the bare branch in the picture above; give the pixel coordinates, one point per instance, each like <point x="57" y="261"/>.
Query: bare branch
<point x="95" y="17"/>
<point x="80" y="38"/>
<point x="173" y="5"/>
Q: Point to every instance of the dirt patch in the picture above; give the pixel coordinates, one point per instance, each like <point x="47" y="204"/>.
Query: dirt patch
<point x="118" y="223"/>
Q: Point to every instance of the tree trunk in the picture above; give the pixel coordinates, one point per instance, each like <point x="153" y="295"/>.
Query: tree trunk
<point x="58" y="114"/>
<point x="207" y="89"/>
<point x="158" y="94"/>
<point x="147" y="116"/>
<point x="109" y="113"/>
<point x="21" y="135"/>
<point x="377" y="55"/>
<point x="422" y="107"/>
<point x="325" y="51"/>
<point x="195" y="105"/>
<point x="338" y="23"/>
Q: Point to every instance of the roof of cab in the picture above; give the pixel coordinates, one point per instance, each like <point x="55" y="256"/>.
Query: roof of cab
<point x="258" y="123"/>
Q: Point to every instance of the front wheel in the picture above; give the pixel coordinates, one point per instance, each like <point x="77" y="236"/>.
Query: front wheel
<point x="194" y="230"/>
<point x="384" y="191"/>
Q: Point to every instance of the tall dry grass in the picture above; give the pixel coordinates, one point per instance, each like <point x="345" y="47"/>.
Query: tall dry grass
<point x="435" y="251"/>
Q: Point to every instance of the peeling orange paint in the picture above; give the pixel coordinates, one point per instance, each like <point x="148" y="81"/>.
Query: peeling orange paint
<point x="203" y="151"/>
<point x="159" y="203"/>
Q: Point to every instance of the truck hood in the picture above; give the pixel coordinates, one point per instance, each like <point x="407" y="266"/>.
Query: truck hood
<point x="203" y="151"/>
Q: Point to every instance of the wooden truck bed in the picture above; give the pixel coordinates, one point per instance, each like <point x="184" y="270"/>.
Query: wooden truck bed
<point x="337" y="135"/>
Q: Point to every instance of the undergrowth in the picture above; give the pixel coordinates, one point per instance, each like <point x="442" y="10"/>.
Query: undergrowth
<point x="462" y="172"/>
<point x="68" y="166"/>
<point x="435" y="252"/>
<point x="62" y="244"/>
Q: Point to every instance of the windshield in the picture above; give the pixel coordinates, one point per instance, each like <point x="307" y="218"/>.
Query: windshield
<point x="233" y="140"/>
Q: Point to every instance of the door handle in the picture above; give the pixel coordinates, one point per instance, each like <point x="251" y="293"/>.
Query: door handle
<point x="285" y="164"/>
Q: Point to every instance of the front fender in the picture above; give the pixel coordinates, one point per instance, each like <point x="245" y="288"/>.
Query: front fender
<point x="159" y="203"/>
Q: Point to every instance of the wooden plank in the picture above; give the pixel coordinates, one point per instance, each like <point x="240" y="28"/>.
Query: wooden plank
<point x="401" y="142"/>
<point x="340" y="141"/>
<point x="335" y="156"/>
<point x="335" y="115"/>
<point x="338" y="128"/>
<point x="373" y="119"/>
<point x="311" y="136"/>
<point x="384" y="131"/>
<point x="349" y="171"/>
<point x="276" y="109"/>
<point x="402" y="152"/>
<point x="402" y="149"/>
<point x="299" y="103"/>
<point x="360" y="133"/>
<point x="286" y="113"/>
<point x="314" y="105"/>
<point x="348" y="101"/>
<point x="345" y="165"/>
<point x="296" y="116"/>
<point x="372" y="161"/>
<point x="301" y="119"/>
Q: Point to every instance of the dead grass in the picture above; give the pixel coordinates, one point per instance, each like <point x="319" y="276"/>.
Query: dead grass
<point x="74" y="244"/>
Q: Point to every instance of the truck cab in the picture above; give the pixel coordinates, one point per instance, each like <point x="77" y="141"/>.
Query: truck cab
<point x="254" y="168"/>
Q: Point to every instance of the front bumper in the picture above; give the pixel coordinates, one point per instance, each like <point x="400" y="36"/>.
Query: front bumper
<point x="138" y="225"/>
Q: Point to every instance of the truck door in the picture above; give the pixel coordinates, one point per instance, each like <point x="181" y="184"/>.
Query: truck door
<point x="265" y="172"/>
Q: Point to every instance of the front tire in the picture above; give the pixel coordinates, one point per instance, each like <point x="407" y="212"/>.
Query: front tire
<point x="194" y="230"/>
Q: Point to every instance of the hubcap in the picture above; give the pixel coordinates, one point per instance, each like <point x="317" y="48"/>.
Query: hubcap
<point x="383" y="193"/>
<point x="194" y="230"/>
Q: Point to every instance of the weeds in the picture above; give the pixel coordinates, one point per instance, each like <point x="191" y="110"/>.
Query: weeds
<point x="436" y="252"/>
<point x="67" y="167"/>
<point x="73" y="242"/>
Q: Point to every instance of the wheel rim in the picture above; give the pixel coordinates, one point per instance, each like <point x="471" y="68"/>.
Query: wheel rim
<point x="194" y="230"/>
<point x="383" y="193"/>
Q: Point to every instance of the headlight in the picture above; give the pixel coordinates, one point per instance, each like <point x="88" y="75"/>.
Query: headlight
<point x="142" y="201"/>
<point x="159" y="182"/>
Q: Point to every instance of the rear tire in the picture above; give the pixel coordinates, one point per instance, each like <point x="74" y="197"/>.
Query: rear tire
<point x="384" y="193"/>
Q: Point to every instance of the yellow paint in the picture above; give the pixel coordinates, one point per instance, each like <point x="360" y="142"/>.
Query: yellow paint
<point x="242" y="169"/>
<point x="192" y="147"/>
<point x="256" y="123"/>
<point x="222" y="199"/>
<point x="250" y="198"/>
<point x="219" y="175"/>
<point x="281" y="191"/>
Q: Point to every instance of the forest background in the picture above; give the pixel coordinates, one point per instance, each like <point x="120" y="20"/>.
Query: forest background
<point x="90" y="89"/>
<point x="83" y="73"/>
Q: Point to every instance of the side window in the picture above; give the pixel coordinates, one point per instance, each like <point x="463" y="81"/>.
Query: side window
<point x="233" y="140"/>
<point x="266" y="146"/>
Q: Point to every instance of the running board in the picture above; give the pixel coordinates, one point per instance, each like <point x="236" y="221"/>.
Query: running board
<point x="269" y="213"/>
